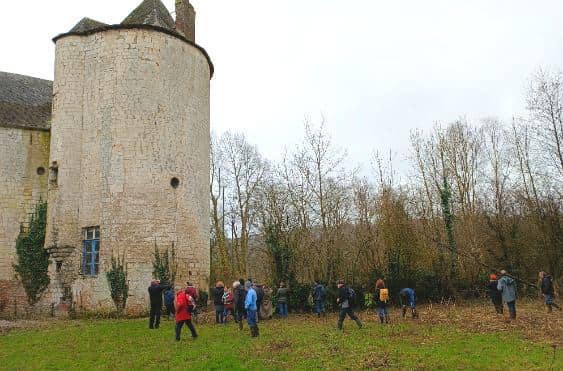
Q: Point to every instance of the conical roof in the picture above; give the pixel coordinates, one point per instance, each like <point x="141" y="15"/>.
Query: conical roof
<point x="87" y="24"/>
<point x="150" y="12"/>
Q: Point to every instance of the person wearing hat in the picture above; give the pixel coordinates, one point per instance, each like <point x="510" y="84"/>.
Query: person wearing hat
<point x="507" y="287"/>
<point x="493" y="293"/>
<point x="343" y="301"/>
<point x="251" y="308"/>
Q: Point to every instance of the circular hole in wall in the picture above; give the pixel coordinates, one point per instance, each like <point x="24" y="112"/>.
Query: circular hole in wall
<point x="40" y="170"/>
<point x="174" y="182"/>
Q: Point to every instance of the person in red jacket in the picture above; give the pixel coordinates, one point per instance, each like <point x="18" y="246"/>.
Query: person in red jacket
<point x="229" y="304"/>
<point x="185" y="305"/>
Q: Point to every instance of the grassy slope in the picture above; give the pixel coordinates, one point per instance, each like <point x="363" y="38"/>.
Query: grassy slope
<point x="302" y="343"/>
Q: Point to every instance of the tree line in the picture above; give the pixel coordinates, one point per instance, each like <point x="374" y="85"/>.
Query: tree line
<point x="478" y="197"/>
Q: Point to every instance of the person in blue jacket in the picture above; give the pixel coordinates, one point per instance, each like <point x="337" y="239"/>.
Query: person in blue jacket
<point x="169" y="302"/>
<point x="507" y="287"/>
<point x="407" y="297"/>
<point x="251" y="308"/>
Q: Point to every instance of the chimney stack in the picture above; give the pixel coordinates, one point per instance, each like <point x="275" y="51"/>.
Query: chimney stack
<point x="185" y="19"/>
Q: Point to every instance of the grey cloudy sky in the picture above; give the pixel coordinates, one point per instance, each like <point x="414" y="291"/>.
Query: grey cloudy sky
<point x="375" y="69"/>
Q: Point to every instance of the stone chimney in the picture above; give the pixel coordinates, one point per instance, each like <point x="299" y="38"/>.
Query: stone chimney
<point x="185" y="19"/>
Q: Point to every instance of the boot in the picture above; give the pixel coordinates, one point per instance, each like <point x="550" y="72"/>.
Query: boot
<point x="381" y="319"/>
<point x="339" y="325"/>
<point x="240" y="325"/>
<point x="358" y="322"/>
<point x="257" y="331"/>
<point x="386" y="318"/>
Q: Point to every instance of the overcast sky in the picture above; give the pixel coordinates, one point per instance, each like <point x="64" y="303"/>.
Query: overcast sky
<point x="376" y="69"/>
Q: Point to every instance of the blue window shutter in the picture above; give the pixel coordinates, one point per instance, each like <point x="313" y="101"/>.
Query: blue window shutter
<point x="84" y="257"/>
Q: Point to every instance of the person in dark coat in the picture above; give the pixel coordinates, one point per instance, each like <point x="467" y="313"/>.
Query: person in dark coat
<point x="259" y="298"/>
<point x="282" y="296"/>
<point x="343" y="302"/>
<point x="546" y="287"/>
<point x="319" y="296"/>
<point x="494" y="294"/>
<point x="155" y="295"/>
<point x="240" y="297"/>
<point x="218" y="302"/>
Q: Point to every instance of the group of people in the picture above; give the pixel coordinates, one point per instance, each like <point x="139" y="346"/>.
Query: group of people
<point x="253" y="302"/>
<point x="502" y="289"/>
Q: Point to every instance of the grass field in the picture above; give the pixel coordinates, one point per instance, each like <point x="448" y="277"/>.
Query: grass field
<point x="446" y="338"/>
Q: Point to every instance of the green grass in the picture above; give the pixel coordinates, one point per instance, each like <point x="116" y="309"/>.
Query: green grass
<point x="299" y="343"/>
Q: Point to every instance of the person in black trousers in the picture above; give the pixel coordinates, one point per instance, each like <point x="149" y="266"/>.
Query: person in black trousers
<point x="155" y="295"/>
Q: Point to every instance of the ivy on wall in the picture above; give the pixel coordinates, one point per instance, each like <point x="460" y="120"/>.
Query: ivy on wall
<point x="117" y="280"/>
<point x="165" y="265"/>
<point x="33" y="260"/>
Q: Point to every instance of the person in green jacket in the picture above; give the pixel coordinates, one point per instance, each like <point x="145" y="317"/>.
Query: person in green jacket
<point x="282" y="296"/>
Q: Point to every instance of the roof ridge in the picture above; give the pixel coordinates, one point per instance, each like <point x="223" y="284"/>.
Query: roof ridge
<point x="150" y="12"/>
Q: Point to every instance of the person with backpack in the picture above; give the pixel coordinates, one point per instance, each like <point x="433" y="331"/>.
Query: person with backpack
<point x="381" y="298"/>
<point x="266" y="308"/>
<point x="546" y="288"/>
<point x="282" y="296"/>
<point x="494" y="294"/>
<point x="346" y="300"/>
<point x="319" y="296"/>
<point x="507" y="287"/>
<point x="218" y="301"/>
<point x="169" y="302"/>
<point x="407" y="297"/>
<point x="228" y="304"/>
<point x="240" y="297"/>
<point x="185" y="305"/>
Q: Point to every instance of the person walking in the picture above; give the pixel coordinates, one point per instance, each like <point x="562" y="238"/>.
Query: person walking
<point x="266" y="308"/>
<point x="345" y="301"/>
<point x="169" y="302"/>
<point x="507" y="287"/>
<point x="240" y="297"/>
<point x="407" y="298"/>
<point x="546" y="287"/>
<point x="282" y="296"/>
<point x="185" y="305"/>
<point x="155" y="296"/>
<point x="493" y="293"/>
<point x="218" y="301"/>
<point x="319" y="296"/>
<point x="251" y="308"/>
<point x="381" y="298"/>
<point x="228" y="304"/>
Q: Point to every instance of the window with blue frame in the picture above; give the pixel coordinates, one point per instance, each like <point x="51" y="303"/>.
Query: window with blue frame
<point x="91" y="251"/>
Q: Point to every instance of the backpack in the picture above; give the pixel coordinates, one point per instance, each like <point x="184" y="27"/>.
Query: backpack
<point x="225" y="299"/>
<point x="384" y="295"/>
<point x="351" y="296"/>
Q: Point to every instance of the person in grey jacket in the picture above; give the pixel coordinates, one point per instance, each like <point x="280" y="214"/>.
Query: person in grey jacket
<point x="507" y="287"/>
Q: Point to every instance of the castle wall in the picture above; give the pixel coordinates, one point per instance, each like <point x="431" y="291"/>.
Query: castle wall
<point x="131" y="112"/>
<point x="22" y="153"/>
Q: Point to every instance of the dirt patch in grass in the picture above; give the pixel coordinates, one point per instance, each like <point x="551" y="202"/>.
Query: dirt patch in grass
<point x="279" y="346"/>
<point x="532" y="321"/>
<point x="379" y="361"/>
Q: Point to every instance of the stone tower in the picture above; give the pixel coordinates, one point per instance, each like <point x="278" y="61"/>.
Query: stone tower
<point x="129" y="155"/>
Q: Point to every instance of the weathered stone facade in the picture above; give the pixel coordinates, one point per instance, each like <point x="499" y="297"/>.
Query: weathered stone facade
<point x="129" y="154"/>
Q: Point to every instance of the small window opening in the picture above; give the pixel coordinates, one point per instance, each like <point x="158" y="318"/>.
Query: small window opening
<point x="175" y="182"/>
<point x="59" y="266"/>
<point x="190" y="273"/>
<point x="40" y="170"/>
<point x="54" y="174"/>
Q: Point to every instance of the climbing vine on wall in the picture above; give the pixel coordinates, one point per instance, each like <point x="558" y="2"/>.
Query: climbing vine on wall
<point x="165" y="265"/>
<point x="117" y="280"/>
<point x="33" y="259"/>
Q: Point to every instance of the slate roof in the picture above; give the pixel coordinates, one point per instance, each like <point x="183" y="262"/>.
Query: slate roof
<point x="86" y="24"/>
<point x="151" y="12"/>
<point x="25" y="102"/>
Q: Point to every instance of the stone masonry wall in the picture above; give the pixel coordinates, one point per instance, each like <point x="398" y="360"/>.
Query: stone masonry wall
<point x="22" y="153"/>
<point x="131" y="112"/>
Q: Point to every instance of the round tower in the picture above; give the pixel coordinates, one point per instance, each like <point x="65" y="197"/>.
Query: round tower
<point x="129" y="160"/>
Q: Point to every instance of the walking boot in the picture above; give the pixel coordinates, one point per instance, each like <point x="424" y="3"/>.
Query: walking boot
<point x="386" y="318"/>
<point x="240" y="325"/>
<point x="358" y="322"/>
<point x="257" y="331"/>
